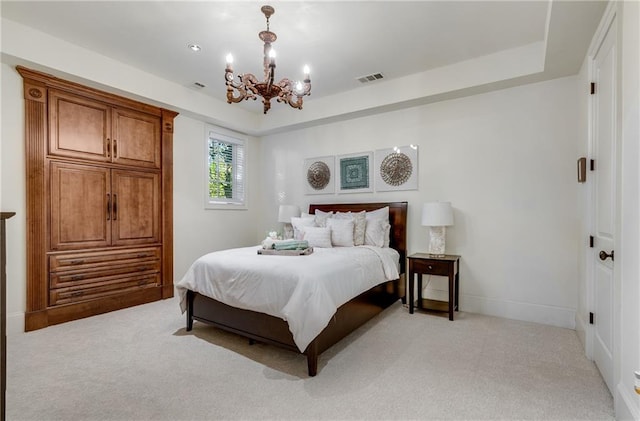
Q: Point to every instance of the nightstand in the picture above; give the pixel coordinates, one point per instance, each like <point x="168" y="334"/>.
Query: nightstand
<point x="428" y="264"/>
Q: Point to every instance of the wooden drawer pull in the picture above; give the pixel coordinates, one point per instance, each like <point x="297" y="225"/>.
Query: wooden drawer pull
<point x="143" y="268"/>
<point x="76" y="262"/>
<point x="77" y="294"/>
<point x="141" y="255"/>
<point x="77" y="277"/>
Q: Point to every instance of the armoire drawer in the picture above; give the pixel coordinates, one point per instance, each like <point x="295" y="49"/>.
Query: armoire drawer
<point x="94" y="260"/>
<point x="114" y="286"/>
<point x="102" y="274"/>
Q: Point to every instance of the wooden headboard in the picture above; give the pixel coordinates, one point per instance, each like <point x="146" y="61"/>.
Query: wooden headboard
<point x="397" y="219"/>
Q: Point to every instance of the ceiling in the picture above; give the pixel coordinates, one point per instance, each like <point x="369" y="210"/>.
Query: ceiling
<point x="340" y="40"/>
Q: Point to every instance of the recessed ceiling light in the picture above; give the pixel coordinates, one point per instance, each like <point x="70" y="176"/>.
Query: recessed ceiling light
<point x="194" y="47"/>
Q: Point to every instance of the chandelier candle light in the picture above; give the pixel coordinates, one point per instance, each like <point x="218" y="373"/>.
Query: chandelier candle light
<point x="248" y="86"/>
<point x="436" y="216"/>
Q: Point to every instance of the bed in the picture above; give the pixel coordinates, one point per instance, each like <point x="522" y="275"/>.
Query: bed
<point x="266" y="328"/>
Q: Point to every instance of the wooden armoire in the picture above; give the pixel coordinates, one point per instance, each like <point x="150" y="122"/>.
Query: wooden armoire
<point x="99" y="201"/>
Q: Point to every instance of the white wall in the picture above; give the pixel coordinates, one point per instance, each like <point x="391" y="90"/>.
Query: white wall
<point x="506" y="161"/>
<point x="13" y="193"/>
<point x="198" y="230"/>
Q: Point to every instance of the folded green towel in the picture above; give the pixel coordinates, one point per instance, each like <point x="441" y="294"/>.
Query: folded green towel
<point x="272" y="252"/>
<point x="291" y="245"/>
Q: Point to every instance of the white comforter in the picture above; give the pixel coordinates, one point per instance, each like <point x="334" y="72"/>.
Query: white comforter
<point x="305" y="291"/>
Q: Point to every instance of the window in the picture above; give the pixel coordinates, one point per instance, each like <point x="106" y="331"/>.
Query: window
<point x="225" y="171"/>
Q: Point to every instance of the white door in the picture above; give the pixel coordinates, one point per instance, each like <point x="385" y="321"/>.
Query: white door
<point x="604" y="203"/>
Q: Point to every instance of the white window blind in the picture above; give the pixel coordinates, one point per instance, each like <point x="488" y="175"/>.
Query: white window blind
<point x="225" y="171"/>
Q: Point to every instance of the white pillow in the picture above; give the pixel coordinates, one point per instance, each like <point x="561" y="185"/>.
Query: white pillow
<point x="299" y="223"/>
<point x="321" y="217"/>
<point x="317" y="236"/>
<point x="341" y="232"/>
<point x="379" y="235"/>
<point x="359" y="225"/>
<point x="382" y="213"/>
<point x="376" y="232"/>
<point x="387" y="233"/>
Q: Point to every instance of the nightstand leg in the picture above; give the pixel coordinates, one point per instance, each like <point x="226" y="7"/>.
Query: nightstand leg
<point x="419" y="303"/>
<point x="451" y="295"/>
<point x="411" y="283"/>
<point x="458" y="290"/>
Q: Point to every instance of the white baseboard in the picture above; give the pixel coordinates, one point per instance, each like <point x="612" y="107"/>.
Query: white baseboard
<point x="537" y="313"/>
<point x="627" y="404"/>
<point x="581" y="330"/>
<point x="15" y="323"/>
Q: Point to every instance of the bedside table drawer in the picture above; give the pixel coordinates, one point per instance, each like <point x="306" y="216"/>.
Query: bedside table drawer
<point x="432" y="267"/>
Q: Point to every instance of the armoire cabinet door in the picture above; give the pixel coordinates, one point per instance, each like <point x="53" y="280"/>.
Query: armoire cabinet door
<point x="136" y="207"/>
<point x="87" y="129"/>
<point x="80" y="203"/>
<point x="135" y="138"/>
<point x="79" y="127"/>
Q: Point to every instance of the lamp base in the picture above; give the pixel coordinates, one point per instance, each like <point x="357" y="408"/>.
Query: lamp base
<point x="288" y="231"/>
<point x="436" y="241"/>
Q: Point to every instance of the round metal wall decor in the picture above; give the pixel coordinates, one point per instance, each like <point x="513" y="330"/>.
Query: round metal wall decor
<point x="318" y="175"/>
<point x="395" y="169"/>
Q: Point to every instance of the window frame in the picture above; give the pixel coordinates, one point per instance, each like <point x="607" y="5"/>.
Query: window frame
<point x="212" y="132"/>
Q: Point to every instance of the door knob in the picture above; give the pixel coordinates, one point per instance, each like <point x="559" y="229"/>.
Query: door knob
<point x="603" y="255"/>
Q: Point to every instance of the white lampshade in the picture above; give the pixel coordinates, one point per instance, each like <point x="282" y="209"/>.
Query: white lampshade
<point x="437" y="214"/>
<point x="286" y="212"/>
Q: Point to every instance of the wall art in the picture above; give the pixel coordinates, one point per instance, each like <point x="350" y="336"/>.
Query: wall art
<point x="397" y="168"/>
<point x="355" y="172"/>
<point x="319" y="175"/>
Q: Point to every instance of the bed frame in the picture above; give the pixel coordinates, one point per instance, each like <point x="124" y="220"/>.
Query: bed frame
<point x="351" y="315"/>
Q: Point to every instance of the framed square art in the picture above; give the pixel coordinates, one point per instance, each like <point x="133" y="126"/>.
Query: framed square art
<point x="397" y="168"/>
<point x="319" y="175"/>
<point x="356" y="173"/>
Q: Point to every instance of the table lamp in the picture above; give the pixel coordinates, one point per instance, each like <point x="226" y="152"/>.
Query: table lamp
<point x="285" y="213"/>
<point x="436" y="216"/>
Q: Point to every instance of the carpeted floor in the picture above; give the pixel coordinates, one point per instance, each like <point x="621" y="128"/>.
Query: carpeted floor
<point x="141" y="364"/>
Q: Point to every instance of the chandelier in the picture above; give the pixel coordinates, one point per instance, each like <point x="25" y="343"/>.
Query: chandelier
<point x="248" y="87"/>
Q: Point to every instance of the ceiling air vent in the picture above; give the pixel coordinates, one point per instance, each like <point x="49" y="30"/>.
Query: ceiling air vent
<point x="370" y="78"/>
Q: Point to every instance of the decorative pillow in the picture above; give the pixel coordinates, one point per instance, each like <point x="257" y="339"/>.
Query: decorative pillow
<point x="321" y="217"/>
<point x="341" y="232"/>
<point x="382" y="213"/>
<point x="317" y="236"/>
<point x="378" y="223"/>
<point x="359" y="225"/>
<point x="299" y="223"/>
<point x="387" y="235"/>
<point x="376" y="232"/>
